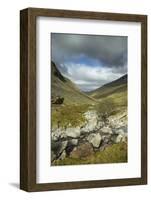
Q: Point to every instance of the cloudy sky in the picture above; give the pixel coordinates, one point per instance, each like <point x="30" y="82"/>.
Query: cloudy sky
<point x="90" y="61"/>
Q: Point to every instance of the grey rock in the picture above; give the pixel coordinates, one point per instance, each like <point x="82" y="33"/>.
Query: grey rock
<point x="73" y="132"/>
<point x="57" y="147"/>
<point x="106" y="130"/>
<point x="113" y="138"/>
<point x="121" y="138"/>
<point x="57" y="133"/>
<point x="63" y="155"/>
<point x="94" y="139"/>
<point x="119" y="120"/>
<point x="106" y="139"/>
<point x="63" y="145"/>
<point x="119" y="131"/>
<point x="100" y="124"/>
<point x="74" y="142"/>
<point x="118" y="139"/>
<point x="92" y="121"/>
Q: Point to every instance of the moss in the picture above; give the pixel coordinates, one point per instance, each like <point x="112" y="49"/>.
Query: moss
<point x="68" y="115"/>
<point x="117" y="153"/>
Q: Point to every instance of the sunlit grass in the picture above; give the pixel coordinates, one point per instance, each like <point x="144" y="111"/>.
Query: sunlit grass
<point x="69" y="115"/>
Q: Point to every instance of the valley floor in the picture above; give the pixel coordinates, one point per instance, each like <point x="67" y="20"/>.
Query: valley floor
<point x="88" y="134"/>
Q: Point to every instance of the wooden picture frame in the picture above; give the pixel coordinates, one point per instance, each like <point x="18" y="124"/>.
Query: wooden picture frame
<point x="28" y="98"/>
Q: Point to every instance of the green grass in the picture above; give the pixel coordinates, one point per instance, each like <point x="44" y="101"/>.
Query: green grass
<point x="108" y="90"/>
<point x="120" y="98"/>
<point x="112" y="99"/>
<point x="66" y="115"/>
<point x="117" y="153"/>
<point x="112" y="104"/>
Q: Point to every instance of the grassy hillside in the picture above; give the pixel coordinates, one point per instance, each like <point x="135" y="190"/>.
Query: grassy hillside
<point x="112" y="97"/>
<point x="114" y="92"/>
<point x="63" y="87"/>
<point x="75" y="102"/>
<point x="117" y="86"/>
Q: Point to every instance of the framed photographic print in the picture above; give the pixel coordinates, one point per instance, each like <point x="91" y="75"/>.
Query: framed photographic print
<point x="83" y="99"/>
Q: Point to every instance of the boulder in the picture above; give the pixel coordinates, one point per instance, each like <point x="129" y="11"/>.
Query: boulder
<point x="118" y="138"/>
<point x="100" y="124"/>
<point x="57" y="148"/>
<point x="73" y="142"/>
<point x="121" y="138"/>
<point x="118" y="120"/>
<point x="73" y="132"/>
<point x="121" y="135"/>
<point x="106" y="139"/>
<point x="94" y="139"/>
<point x="113" y="138"/>
<point x="106" y="130"/>
<point x="57" y="133"/>
<point x="82" y="151"/>
<point x="121" y="131"/>
<point x="63" y="155"/>
<point x="92" y="121"/>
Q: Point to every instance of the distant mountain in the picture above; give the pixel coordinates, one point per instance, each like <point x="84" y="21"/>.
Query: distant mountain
<point x="114" y="87"/>
<point x="119" y="81"/>
<point x="63" y="87"/>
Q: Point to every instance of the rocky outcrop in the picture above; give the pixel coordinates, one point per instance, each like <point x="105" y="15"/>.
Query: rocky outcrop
<point x="93" y="135"/>
<point x="57" y="100"/>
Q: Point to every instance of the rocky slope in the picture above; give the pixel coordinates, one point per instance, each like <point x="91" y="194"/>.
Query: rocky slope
<point x="93" y="136"/>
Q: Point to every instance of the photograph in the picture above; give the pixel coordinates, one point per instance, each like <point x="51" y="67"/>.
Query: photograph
<point x="89" y="119"/>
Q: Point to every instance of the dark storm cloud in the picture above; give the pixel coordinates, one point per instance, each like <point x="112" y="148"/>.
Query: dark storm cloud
<point x="109" y="50"/>
<point x="93" y="53"/>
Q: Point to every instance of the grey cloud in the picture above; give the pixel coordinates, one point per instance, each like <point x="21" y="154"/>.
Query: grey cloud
<point x="88" y="78"/>
<point x="108" y="50"/>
